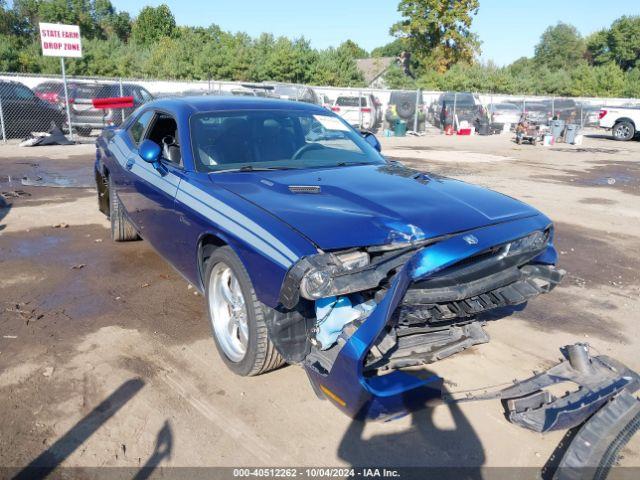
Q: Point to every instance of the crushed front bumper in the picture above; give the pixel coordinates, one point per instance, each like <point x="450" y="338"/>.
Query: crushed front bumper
<point x="343" y="378"/>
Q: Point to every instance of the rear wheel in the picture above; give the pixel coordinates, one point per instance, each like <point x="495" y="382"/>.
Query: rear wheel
<point x="623" y="131"/>
<point x="121" y="228"/>
<point x="237" y="317"/>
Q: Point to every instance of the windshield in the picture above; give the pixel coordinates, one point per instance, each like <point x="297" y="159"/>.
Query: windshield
<point x="98" y="91"/>
<point x="276" y="139"/>
<point x="351" y="102"/>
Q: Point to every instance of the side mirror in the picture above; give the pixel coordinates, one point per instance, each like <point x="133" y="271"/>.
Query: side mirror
<point x="149" y="151"/>
<point x="372" y="140"/>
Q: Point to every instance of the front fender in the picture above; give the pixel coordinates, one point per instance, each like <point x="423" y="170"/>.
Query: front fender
<point x="393" y="394"/>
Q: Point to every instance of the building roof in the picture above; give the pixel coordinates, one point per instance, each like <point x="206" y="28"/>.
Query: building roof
<point x="372" y="68"/>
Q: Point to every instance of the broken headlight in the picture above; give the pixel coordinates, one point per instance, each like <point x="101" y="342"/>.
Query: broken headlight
<point x="532" y="242"/>
<point x="318" y="282"/>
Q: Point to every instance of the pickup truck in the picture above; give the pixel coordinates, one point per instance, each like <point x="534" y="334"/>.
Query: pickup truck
<point x="622" y="121"/>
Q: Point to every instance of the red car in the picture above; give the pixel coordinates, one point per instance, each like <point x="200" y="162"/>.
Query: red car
<point x="53" y="92"/>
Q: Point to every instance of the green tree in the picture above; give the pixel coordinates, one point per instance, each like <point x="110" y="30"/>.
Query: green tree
<point x="395" y="78"/>
<point x="8" y="20"/>
<point x="438" y="32"/>
<point x="353" y="49"/>
<point x="336" y="67"/>
<point x="610" y="80"/>
<point x="560" y="46"/>
<point x="392" y="49"/>
<point x="111" y="22"/>
<point x="75" y="12"/>
<point x="153" y="24"/>
<point x="623" y="42"/>
<point x="598" y="47"/>
<point x="632" y="83"/>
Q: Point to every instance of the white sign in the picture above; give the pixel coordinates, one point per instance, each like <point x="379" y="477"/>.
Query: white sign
<point x="59" y="40"/>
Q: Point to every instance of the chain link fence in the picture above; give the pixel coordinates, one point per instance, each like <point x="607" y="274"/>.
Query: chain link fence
<point x="33" y="103"/>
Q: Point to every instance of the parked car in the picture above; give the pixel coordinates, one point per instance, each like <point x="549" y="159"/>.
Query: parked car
<point x="464" y="106"/>
<point x="24" y="112"/>
<point x="590" y="114"/>
<point x="623" y="122"/>
<point x="361" y="112"/>
<point x="504" y="113"/>
<point x="85" y="117"/>
<point x="311" y="248"/>
<point x="299" y="93"/>
<point x="403" y="105"/>
<point x="53" y="92"/>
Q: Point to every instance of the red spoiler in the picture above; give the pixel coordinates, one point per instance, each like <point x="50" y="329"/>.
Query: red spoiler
<point x="113" y="102"/>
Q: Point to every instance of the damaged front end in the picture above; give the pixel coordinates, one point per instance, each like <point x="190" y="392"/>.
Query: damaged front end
<point x="355" y="318"/>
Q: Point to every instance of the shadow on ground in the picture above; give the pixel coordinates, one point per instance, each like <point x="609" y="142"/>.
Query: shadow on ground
<point x="451" y="450"/>
<point x="57" y="453"/>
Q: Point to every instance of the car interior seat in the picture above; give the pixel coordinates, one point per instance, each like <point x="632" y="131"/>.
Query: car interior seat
<point x="274" y="141"/>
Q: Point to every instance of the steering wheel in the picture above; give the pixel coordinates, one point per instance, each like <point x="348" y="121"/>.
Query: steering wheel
<point x="306" y="148"/>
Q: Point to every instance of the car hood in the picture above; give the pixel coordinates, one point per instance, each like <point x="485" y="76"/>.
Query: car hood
<point x="371" y="204"/>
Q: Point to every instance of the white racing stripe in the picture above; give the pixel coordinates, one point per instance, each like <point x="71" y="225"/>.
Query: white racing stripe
<point x="231" y="226"/>
<point x="241" y="219"/>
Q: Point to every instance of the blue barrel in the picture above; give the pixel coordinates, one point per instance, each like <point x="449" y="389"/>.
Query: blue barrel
<point x="400" y="129"/>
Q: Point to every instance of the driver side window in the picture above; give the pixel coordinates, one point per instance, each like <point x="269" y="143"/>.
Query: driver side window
<point x="164" y="132"/>
<point x="137" y="129"/>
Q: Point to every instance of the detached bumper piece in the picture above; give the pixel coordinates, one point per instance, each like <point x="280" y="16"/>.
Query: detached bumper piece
<point x="506" y="288"/>
<point x="599" y="379"/>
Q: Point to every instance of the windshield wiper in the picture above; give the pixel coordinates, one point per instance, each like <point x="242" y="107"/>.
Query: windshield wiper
<point x="251" y="168"/>
<point x="350" y="164"/>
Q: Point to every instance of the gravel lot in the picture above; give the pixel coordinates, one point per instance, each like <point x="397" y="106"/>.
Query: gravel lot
<point x="84" y="320"/>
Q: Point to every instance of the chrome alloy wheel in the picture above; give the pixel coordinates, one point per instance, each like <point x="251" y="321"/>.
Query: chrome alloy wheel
<point x="228" y="312"/>
<point x="622" y="131"/>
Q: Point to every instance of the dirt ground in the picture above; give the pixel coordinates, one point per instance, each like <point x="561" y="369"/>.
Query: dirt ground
<point x="106" y="357"/>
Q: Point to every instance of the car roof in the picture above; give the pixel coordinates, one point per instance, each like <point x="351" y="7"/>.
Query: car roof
<point x="199" y="104"/>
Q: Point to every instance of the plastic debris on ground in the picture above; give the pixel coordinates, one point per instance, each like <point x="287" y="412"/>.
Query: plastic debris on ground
<point x="43" y="179"/>
<point x="333" y="313"/>
<point x="53" y="137"/>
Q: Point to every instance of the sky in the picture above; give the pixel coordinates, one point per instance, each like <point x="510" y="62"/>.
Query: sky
<point x="508" y="29"/>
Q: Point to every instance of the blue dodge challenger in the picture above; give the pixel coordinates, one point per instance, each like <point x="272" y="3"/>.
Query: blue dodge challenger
<point x="311" y="248"/>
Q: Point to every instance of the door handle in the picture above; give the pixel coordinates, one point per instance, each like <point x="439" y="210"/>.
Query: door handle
<point x="130" y="163"/>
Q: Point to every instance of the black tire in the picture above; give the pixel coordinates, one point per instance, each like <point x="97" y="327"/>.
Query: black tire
<point x="406" y="108"/>
<point x="261" y="355"/>
<point x="102" y="186"/>
<point x="121" y="228"/>
<point x="623" y="131"/>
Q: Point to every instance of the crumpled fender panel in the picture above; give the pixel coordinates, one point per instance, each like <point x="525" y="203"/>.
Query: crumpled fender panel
<point x="396" y="393"/>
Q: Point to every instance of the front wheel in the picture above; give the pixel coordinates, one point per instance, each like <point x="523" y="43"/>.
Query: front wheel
<point x="623" y="131"/>
<point x="237" y="317"/>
